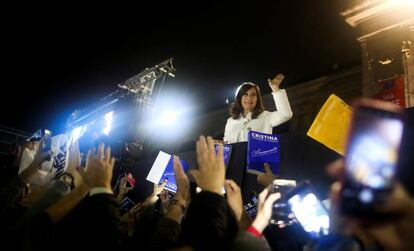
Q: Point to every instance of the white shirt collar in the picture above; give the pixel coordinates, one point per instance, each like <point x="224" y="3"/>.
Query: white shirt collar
<point x="248" y="115"/>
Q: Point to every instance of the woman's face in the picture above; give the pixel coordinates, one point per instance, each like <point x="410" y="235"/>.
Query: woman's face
<point x="249" y="100"/>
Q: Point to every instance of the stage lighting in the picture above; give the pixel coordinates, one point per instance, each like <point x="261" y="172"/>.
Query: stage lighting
<point x="133" y="107"/>
<point x="168" y="118"/>
<point x="108" y="122"/>
<point x="78" y="132"/>
<point x="402" y="3"/>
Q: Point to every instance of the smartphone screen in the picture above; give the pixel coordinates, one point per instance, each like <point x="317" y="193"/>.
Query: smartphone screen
<point x="371" y="158"/>
<point x="309" y="210"/>
<point x="47" y="144"/>
<point x="130" y="181"/>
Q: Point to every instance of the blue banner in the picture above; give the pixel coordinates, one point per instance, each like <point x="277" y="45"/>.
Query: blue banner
<point x="262" y="148"/>
<point x="169" y="174"/>
<point x="226" y="152"/>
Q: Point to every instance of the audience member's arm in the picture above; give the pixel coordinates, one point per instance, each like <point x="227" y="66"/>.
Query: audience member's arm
<point x="12" y="191"/>
<point x="211" y="172"/>
<point x="101" y="206"/>
<point x="234" y="199"/>
<point x="209" y="223"/>
<point x="59" y="188"/>
<point x="122" y="189"/>
<point x="264" y="212"/>
<point x="61" y="208"/>
<point x="181" y="199"/>
<point x="97" y="175"/>
<point x="168" y="227"/>
<point x="34" y="166"/>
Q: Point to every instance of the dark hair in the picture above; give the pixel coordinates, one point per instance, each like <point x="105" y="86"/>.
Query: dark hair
<point x="236" y="108"/>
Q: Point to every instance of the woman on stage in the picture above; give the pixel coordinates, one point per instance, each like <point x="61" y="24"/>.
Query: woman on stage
<point x="247" y="112"/>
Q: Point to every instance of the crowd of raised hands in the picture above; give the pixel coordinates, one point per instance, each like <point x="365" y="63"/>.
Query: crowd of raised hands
<point x="65" y="215"/>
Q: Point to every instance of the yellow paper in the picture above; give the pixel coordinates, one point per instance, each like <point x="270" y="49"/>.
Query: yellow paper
<point x="330" y="126"/>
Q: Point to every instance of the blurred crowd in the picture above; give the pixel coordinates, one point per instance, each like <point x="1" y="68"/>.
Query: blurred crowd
<point x="78" y="208"/>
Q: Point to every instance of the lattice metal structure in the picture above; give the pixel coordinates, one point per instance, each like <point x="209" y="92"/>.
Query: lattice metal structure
<point x="142" y="84"/>
<point x="138" y="88"/>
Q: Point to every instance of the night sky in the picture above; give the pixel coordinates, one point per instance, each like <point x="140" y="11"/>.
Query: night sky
<point x="68" y="57"/>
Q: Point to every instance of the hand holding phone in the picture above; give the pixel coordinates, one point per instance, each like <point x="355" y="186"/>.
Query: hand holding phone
<point x="371" y="156"/>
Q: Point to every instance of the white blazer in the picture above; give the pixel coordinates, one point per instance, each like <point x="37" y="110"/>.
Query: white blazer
<point x="236" y="129"/>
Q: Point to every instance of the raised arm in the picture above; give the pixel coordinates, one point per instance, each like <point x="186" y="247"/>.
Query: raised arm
<point x="284" y="112"/>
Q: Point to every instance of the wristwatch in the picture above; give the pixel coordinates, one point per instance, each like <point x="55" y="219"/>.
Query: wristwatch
<point x="68" y="179"/>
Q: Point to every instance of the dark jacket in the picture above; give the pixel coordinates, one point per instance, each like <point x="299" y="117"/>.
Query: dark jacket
<point x="209" y="223"/>
<point x="92" y="225"/>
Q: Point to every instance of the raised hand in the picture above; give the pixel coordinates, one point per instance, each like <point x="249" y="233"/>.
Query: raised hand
<point x="275" y="82"/>
<point x="211" y="170"/>
<point x="98" y="169"/>
<point x="183" y="185"/>
<point x="264" y="209"/>
<point x="123" y="189"/>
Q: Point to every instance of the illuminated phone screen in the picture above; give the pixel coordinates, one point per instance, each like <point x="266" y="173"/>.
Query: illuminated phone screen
<point x="373" y="148"/>
<point x="130" y="180"/>
<point x="310" y="212"/>
<point x="47" y="144"/>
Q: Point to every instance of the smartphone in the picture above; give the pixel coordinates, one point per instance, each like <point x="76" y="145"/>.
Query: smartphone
<point x="47" y="144"/>
<point x="308" y="210"/>
<point x="251" y="207"/>
<point x="130" y="181"/>
<point x="371" y="156"/>
<point x="282" y="186"/>
<point x="280" y="208"/>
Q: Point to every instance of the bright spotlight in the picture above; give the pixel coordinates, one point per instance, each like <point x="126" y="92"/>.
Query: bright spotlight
<point x="168" y="118"/>
<point x="108" y="122"/>
<point x="408" y="3"/>
<point x="78" y="132"/>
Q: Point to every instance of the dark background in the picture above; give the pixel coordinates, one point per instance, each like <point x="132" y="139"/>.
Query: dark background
<point x="60" y="57"/>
